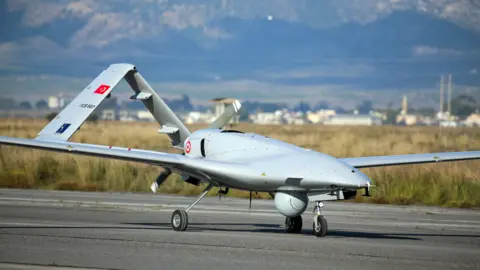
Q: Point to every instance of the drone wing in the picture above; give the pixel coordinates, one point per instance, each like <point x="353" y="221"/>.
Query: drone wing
<point x="55" y="135"/>
<point x="200" y="168"/>
<point x="378" y="161"/>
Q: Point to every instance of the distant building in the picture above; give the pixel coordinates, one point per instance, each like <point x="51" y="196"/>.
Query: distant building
<point x="221" y="104"/>
<point x="407" y="119"/>
<point x="265" y="118"/>
<point x="320" y="116"/>
<point x="126" y="116"/>
<point x="199" y="117"/>
<point x="354" y="120"/>
<point x="109" y="115"/>
<point x="145" y="116"/>
<point x="56" y="102"/>
<point x="448" y="124"/>
<point x="473" y="120"/>
<point x="443" y="116"/>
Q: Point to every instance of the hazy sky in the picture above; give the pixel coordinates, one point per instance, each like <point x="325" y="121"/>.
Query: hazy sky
<point x="342" y="51"/>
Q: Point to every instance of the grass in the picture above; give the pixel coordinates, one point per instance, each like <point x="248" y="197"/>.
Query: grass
<point x="455" y="184"/>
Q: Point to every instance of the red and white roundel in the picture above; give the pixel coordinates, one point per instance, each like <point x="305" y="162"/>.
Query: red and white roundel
<point x="188" y="147"/>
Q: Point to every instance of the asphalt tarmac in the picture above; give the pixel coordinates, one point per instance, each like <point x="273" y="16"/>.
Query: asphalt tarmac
<point x="80" y="230"/>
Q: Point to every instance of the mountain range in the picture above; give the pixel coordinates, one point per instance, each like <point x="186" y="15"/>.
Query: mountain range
<point x="279" y="50"/>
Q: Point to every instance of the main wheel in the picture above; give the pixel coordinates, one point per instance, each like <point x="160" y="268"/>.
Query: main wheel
<point x="179" y="220"/>
<point x="293" y="225"/>
<point x="321" y="229"/>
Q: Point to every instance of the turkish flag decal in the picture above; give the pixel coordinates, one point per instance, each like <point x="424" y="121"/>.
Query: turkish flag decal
<point x="102" y="89"/>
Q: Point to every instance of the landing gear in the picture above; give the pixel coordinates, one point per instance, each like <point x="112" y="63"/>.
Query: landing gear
<point x="293" y="224"/>
<point x="320" y="226"/>
<point x="179" y="218"/>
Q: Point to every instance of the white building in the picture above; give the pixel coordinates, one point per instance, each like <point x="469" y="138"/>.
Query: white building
<point x="109" y="115"/>
<point x="199" y="117"/>
<point x="448" y="124"/>
<point x="278" y="117"/>
<point x="56" y="102"/>
<point x="473" y="120"/>
<point x="145" y="116"/>
<point x="355" y="120"/>
<point x="126" y="116"/>
<point x="320" y="116"/>
<point x="262" y="118"/>
<point x="407" y="119"/>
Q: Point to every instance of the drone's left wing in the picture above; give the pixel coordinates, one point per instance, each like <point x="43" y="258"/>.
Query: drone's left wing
<point x="200" y="168"/>
<point x="142" y="156"/>
<point x="378" y="161"/>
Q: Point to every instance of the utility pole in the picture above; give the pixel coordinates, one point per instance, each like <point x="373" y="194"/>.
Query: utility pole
<point x="449" y="94"/>
<point x="441" y="94"/>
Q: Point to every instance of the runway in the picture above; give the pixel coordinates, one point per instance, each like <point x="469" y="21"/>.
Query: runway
<point x="82" y="230"/>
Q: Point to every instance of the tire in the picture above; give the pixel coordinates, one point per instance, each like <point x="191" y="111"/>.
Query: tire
<point x="293" y="225"/>
<point x="179" y="220"/>
<point x="321" y="231"/>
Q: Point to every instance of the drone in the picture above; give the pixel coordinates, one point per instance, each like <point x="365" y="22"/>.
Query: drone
<point x="224" y="158"/>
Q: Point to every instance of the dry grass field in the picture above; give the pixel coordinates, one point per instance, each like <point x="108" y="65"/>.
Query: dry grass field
<point x="454" y="184"/>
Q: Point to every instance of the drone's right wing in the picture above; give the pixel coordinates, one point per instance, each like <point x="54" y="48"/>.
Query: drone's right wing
<point x="379" y="161"/>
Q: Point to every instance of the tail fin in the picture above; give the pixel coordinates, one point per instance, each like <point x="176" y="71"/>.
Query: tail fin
<point x="76" y="113"/>
<point x="170" y="124"/>
<point x="225" y="117"/>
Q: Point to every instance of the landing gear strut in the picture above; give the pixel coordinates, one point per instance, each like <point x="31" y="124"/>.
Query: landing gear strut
<point x="320" y="226"/>
<point x="179" y="218"/>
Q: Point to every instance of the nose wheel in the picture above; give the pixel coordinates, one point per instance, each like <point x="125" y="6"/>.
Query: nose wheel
<point x="320" y="226"/>
<point x="179" y="219"/>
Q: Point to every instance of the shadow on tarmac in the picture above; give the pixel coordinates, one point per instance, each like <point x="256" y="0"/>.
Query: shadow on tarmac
<point x="278" y="229"/>
<point x="251" y="227"/>
<point x="257" y="228"/>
